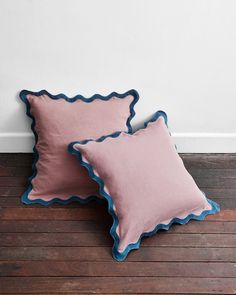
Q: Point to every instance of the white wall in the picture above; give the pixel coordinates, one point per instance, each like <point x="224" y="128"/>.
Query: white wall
<point x="179" y="54"/>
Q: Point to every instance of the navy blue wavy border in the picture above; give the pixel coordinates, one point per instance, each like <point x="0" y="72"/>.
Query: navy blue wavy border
<point x="23" y="96"/>
<point x="120" y="256"/>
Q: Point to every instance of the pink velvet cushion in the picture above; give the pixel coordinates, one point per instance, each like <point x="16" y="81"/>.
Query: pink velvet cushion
<point x="144" y="181"/>
<point x="58" y="120"/>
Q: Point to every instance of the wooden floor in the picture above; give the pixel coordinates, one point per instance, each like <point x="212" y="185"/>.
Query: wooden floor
<point x="67" y="249"/>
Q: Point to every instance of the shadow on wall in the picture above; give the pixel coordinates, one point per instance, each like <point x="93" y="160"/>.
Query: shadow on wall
<point x="139" y="125"/>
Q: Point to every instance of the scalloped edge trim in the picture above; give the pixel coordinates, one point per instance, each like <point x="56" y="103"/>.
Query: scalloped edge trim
<point x="120" y="256"/>
<point x="23" y="96"/>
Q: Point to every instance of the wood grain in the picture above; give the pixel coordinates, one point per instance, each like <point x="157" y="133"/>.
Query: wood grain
<point x="144" y="254"/>
<point x="103" y="269"/>
<point x="152" y="285"/>
<point x="49" y="213"/>
<point x="161" y="239"/>
<point x="67" y="249"/>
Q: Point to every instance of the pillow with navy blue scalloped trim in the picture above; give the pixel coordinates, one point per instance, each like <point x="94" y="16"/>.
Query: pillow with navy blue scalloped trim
<point x="144" y="182"/>
<point x="56" y="121"/>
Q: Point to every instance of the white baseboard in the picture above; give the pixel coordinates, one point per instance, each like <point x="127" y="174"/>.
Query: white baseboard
<point x="185" y="142"/>
<point x="16" y="142"/>
<point x="205" y="142"/>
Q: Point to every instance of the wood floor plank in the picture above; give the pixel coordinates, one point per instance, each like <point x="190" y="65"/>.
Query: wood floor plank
<point x="6" y="191"/>
<point x="116" y="269"/>
<point x="55" y="239"/>
<point x="104" y="254"/>
<point x="16" y="159"/>
<point x="152" y="285"/>
<point x="48" y="213"/>
<point x="223" y="215"/>
<point x="67" y="249"/>
<point x="19" y="181"/>
<point x="220" y="192"/>
<point x="10" y="226"/>
<point x="15" y="171"/>
<point x="225" y="173"/>
<point x="209" y="161"/>
<point x="83" y="213"/>
<point x="43" y="226"/>
<point x="15" y="202"/>
<point x="162" y="239"/>
<point x="216" y="182"/>
<point x="224" y="203"/>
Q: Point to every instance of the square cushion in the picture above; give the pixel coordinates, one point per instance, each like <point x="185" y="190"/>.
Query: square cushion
<point x="144" y="181"/>
<point x="56" y="121"/>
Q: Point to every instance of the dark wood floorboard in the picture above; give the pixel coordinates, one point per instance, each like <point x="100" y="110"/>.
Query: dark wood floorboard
<point x="67" y="249"/>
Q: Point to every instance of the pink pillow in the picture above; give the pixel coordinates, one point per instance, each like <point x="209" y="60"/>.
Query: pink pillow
<point x="56" y="121"/>
<point x="144" y="181"/>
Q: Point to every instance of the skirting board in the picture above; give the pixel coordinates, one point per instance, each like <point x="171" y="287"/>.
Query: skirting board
<point x="185" y="142"/>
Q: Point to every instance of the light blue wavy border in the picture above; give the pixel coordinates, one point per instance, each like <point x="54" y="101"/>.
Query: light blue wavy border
<point x="120" y="256"/>
<point x="23" y="96"/>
